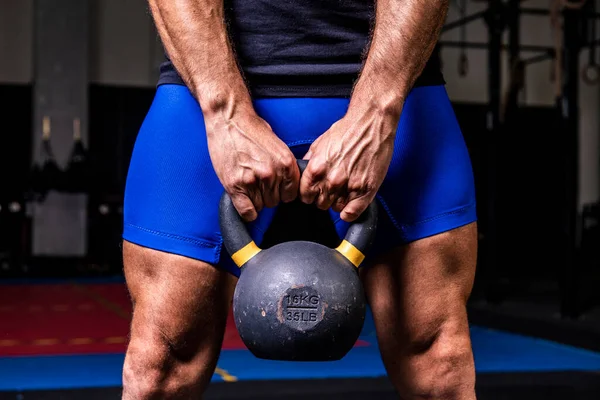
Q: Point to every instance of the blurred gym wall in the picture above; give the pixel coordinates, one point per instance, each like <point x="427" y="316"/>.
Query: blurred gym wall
<point x="535" y="30"/>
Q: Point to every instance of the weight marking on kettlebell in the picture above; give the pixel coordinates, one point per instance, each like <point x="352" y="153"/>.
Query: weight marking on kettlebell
<point x="305" y="301"/>
<point x="301" y="308"/>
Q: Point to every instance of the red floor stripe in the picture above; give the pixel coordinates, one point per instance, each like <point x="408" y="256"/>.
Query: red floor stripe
<point x="73" y="319"/>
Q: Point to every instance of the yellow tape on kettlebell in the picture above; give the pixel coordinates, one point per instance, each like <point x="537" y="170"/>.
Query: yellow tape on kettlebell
<point x="354" y="255"/>
<point x="243" y="255"/>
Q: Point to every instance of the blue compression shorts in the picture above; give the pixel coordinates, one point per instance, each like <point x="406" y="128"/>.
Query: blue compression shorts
<point x="172" y="192"/>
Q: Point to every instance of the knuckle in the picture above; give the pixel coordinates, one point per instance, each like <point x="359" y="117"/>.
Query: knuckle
<point x="264" y="173"/>
<point x="247" y="180"/>
<point x="336" y="182"/>
<point x="317" y="165"/>
<point x="287" y="162"/>
<point x="370" y="187"/>
<point x="312" y="175"/>
<point x="356" y="188"/>
<point x="325" y="200"/>
<point x="362" y="189"/>
<point x="309" y="188"/>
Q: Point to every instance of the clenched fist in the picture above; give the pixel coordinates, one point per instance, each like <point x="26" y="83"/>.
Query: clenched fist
<point x="256" y="168"/>
<point x="347" y="164"/>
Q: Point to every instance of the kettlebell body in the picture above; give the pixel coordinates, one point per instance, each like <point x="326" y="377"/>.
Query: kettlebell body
<point x="300" y="301"/>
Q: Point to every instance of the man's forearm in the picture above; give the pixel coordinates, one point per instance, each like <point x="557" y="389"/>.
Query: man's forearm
<point x="405" y="34"/>
<point x="194" y="34"/>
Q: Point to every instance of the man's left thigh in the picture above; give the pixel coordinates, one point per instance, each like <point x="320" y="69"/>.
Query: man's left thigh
<point x="418" y="294"/>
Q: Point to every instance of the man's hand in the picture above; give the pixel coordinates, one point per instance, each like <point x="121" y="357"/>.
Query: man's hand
<point x="256" y="168"/>
<point x="348" y="163"/>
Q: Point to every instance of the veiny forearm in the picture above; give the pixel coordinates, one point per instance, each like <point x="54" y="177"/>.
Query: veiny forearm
<point x="194" y="34"/>
<point x="404" y="36"/>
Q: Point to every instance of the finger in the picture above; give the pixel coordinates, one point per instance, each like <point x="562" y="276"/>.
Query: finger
<point x="254" y="194"/>
<point x="269" y="187"/>
<point x="309" y="190"/>
<point x="339" y="204"/>
<point x="336" y="186"/>
<point x="354" y="209"/>
<point x="267" y="177"/>
<point x="244" y="206"/>
<point x="257" y="199"/>
<point x="290" y="183"/>
<point x="288" y="190"/>
<point x="270" y="194"/>
<point x="310" y="181"/>
<point x="325" y="200"/>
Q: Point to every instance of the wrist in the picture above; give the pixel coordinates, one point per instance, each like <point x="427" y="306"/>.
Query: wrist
<point x="383" y="96"/>
<point x="386" y="103"/>
<point x="225" y="100"/>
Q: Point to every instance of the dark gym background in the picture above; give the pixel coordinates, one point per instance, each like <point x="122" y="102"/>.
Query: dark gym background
<point x="76" y="79"/>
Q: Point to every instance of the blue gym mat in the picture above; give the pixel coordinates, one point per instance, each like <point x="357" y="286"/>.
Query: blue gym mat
<point x="494" y="352"/>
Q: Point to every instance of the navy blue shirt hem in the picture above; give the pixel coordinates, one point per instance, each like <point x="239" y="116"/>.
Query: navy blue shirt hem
<point x="307" y="90"/>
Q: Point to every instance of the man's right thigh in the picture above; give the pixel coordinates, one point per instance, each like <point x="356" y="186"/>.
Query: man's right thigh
<point x="179" y="317"/>
<point x="172" y="245"/>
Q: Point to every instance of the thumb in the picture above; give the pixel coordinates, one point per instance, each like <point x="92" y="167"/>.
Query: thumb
<point x="354" y="209"/>
<point x="244" y="207"/>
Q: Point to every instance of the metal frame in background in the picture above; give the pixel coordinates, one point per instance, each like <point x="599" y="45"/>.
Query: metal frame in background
<point x="499" y="16"/>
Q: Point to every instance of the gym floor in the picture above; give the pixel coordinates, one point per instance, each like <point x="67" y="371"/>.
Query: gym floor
<point x="66" y="340"/>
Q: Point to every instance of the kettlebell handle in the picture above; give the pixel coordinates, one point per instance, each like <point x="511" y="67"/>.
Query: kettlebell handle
<point x="241" y="247"/>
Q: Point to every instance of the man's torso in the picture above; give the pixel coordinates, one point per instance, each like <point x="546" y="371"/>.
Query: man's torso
<point x="301" y="48"/>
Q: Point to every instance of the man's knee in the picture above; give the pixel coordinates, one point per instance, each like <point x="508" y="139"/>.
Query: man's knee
<point x="441" y="362"/>
<point x="153" y="369"/>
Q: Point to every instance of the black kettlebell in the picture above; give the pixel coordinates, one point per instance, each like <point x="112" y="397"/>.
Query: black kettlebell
<point x="298" y="300"/>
